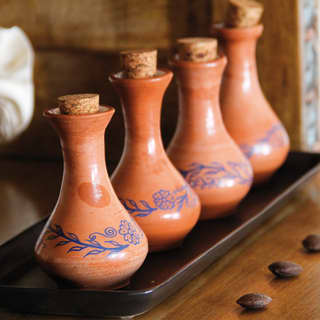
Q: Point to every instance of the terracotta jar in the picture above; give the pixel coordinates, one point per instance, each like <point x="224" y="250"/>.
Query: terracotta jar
<point x="89" y="239"/>
<point x="246" y="113"/>
<point x="149" y="186"/>
<point x="201" y="148"/>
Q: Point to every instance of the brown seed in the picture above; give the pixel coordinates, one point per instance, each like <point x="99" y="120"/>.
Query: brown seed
<point x="254" y="301"/>
<point x="312" y="243"/>
<point x="285" y="269"/>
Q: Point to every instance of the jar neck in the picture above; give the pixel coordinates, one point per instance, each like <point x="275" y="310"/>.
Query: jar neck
<point x="142" y="125"/>
<point x="239" y="45"/>
<point x="83" y="146"/>
<point x="241" y="58"/>
<point x="84" y="159"/>
<point x="199" y="107"/>
<point x="141" y="101"/>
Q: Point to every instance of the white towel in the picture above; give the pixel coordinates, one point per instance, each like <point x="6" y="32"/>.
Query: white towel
<point x="16" y="83"/>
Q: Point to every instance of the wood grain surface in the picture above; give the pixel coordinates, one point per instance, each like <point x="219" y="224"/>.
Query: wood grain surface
<point x="77" y="44"/>
<point x="29" y="191"/>
<point x="106" y="25"/>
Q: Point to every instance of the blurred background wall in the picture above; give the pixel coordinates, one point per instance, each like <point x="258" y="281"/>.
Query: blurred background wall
<point x="77" y="44"/>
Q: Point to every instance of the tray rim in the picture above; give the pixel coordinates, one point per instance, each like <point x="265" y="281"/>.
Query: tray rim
<point x="248" y="225"/>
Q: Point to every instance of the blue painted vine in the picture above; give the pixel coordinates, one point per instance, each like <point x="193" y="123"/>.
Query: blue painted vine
<point x="212" y="175"/>
<point x="273" y="137"/>
<point x="161" y="200"/>
<point x="97" y="242"/>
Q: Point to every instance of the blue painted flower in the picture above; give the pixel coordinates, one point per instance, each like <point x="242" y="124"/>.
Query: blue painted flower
<point x="163" y="199"/>
<point x="128" y="232"/>
<point x="124" y="227"/>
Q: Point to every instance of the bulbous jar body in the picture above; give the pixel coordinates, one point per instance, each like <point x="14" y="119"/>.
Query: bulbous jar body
<point x="150" y="188"/>
<point x="89" y="240"/>
<point x="247" y="114"/>
<point x="201" y="148"/>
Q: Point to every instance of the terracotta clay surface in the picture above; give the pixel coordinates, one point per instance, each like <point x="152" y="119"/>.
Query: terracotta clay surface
<point x="247" y="114"/>
<point x="89" y="240"/>
<point x="149" y="186"/>
<point x="201" y="148"/>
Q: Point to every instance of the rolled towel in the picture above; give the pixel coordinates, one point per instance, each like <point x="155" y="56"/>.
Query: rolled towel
<point x="16" y="83"/>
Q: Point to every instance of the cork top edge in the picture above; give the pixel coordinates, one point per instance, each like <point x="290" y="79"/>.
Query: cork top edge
<point x="176" y="61"/>
<point x="246" y="3"/>
<point x="136" y="51"/>
<point x="237" y="33"/>
<point x="121" y="76"/>
<point x="55" y="112"/>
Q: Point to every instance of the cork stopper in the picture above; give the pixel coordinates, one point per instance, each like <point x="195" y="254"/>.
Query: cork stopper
<point x="79" y="103"/>
<point x="139" y="64"/>
<point x="243" y="13"/>
<point x="197" y="49"/>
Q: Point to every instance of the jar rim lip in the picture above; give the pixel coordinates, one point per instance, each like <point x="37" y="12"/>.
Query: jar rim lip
<point x="55" y="113"/>
<point x="232" y="31"/>
<point x="162" y="73"/>
<point x="175" y="62"/>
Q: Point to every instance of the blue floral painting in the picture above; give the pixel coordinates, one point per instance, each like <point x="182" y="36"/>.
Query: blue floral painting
<point x="97" y="242"/>
<point x="273" y="137"/>
<point x="213" y="175"/>
<point x="162" y="200"/>
<point x="129" y="233"/>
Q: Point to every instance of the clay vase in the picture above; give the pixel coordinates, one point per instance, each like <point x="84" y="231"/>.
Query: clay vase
<point x="201" y="148"/>
<point x="89" y="240"/>
<point x="149" y="186"/>
<point x="247" y="115"/>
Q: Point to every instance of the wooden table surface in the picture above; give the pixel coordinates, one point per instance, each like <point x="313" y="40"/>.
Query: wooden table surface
<point x="29" y="191"/>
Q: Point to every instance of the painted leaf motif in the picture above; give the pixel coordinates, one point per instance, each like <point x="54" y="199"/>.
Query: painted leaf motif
<point x="145" y="203"/>
<point x="115" y="243"/>
<point x="93" y="252"/>
<point x="75" y="248"/>
<point x="62" y="243"/>
<point x="142" y="214"/>
<point x="95" y="243"/>
<point x="180" y="200"/>
<point x="132" y="202"/>
<point x="73" y="236"/>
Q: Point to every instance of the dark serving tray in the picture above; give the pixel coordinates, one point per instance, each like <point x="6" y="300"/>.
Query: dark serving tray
<point x="25" y="288"/>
